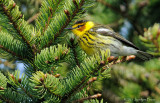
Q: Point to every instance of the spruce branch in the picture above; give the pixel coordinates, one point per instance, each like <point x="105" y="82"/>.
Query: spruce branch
<point x="6" y="100"/>
<point x="13" y="46"/>
<point x="49" y="89"/>
<point x="44" y="84"/>
<point x="15" y="80"/>
<point x="30" y="95"/>
<point x="51" y="57"/>
<point x="71" y="17"/>
<point x="90" y="81"/>
<point x="111" y="61"/>
<point x="15" y="21"/>
<point x="73" y="47"/>
<point x="11" y="96"/>
<point x="84" y="70"/>
<point x="64" y="99"/>
<point x="11" y="52"/>
<point x="78" y="87"/>
<point x="11" y="10"/>
<point x="3" y="83"/>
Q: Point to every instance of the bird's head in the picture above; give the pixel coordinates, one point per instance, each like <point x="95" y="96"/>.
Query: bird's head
<point x="80" y="27"/>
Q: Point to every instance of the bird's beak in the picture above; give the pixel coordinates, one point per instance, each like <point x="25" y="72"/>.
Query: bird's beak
<point x="69" y="28"/>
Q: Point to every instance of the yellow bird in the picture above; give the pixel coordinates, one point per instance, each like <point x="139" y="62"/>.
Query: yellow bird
<point x="93" y="38"/>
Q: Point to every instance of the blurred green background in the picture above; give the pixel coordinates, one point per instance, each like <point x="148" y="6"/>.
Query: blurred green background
<point x="134" y="81"/>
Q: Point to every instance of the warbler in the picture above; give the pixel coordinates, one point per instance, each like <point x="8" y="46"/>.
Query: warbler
<point x="93" y="38"/>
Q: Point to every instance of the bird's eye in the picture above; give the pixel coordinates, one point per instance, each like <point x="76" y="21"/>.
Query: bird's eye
<point x="79" y="26"/>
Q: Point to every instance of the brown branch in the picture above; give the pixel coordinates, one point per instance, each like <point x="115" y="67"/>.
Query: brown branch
<point x="88" y="98"/>
<point x="6" y="100"/>
<point x="11" y="52"/>
<point x="48" y="89"/>
<point x="111" y="60"/>
<point x="74" y="51"/>
<point x="15" y="25"/>
<point x="33" y="18"/>
<point x="109" y="5"/>
<point x="90" y="81"/>
<point x="114" y="60"/>
<point x="65" y="25"/>
<point x="18" y="82"/>
<point x="125" y="14"/>
<point x="64" y="99"/>
<point x="134" y="22"/>
<point x="49" y="18"/>
<point x="115" y="24"/>
<point x="31" y="96"/>
<point x="80" y="85"/>
<point x="127" y="5"/>
<point x="111" y="97"/>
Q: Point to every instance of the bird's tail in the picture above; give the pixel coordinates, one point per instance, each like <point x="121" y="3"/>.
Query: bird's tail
<point x="143" y="55"/>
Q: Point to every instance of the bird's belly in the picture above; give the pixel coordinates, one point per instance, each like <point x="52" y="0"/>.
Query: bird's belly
<point x="89" y="51"/>
<point x="118" y="49"/>
<point x="115" y="46"/>
<point x="88" y="48"/>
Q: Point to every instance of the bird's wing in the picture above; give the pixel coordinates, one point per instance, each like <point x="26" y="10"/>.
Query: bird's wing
<point x="107" y="31"/>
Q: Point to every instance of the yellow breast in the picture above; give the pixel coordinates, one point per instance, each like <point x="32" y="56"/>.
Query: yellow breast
<point x="88" y="50"/>
<point x="88" y="43"/>
<point x="86" y="40"/>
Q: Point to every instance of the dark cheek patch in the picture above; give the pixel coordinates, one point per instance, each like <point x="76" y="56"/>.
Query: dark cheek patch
<point x="81" y="28"/>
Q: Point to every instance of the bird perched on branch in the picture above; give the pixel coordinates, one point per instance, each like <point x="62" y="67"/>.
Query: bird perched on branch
<point x="93" y="38"/>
